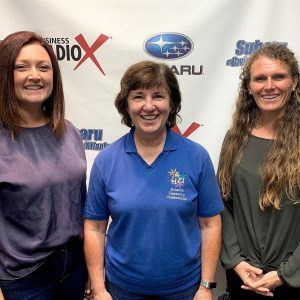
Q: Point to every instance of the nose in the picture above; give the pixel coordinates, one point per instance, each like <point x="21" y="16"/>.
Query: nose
<point x="270" y="84"/>
<point x="149" y="104"/>
<point x="34" y="74"/>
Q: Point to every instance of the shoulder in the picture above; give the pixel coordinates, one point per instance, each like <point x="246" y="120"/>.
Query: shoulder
<point x="70" y="127"/>
<point x="71" y="136"/>
<point x="71" y="130"/>
<point x="188" y="146"/>
<point x="115" y="150"/>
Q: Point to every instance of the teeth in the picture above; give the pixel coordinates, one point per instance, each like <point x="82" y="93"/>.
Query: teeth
<point x="149" y="117"/>
<point x="270" y="96"/>
<point x="33" y="87"/>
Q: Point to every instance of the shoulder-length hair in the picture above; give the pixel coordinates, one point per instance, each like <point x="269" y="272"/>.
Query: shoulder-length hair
<point x="54" y="106"/>
<point x="280" y="170"/>
<point x="145" y="75"/>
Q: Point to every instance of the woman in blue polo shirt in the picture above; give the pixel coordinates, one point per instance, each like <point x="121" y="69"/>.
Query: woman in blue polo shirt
<point x="160" y="191"/>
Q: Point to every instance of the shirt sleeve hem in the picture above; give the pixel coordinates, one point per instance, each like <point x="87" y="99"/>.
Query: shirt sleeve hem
<point x="234" y="262"/>
<point x="95" y="217"/>
<point x="210" y="213"/>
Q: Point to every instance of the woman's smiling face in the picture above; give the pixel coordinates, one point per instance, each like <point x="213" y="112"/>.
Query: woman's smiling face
<point x="271" y="84"/>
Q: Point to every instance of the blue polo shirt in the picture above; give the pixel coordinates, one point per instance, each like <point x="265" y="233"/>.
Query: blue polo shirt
<point x="153" y="242"/>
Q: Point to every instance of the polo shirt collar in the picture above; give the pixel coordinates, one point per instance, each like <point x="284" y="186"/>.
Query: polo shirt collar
<point x="131" y="148"/>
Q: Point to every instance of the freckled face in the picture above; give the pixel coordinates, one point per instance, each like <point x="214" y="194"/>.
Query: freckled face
<point x="149" y="110"/>
<point x="271" y="84"/>
<point x="33" y="75"/>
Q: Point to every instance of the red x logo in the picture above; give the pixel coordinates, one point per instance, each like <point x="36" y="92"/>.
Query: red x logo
<point x="189" y="131"/>
<point x="89" y="51"/>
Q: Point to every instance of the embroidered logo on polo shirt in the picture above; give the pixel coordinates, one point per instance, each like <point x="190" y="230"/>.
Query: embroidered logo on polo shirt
<point x="177" y="180"/>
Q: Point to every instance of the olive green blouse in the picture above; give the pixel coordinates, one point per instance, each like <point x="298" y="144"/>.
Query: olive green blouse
<point x="267" y="239"/>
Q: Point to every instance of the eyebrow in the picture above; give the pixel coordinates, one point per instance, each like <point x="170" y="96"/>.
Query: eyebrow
<point x="39" y="61"/>
<point x="274" y="74"/>
<point x="141" y="92"/>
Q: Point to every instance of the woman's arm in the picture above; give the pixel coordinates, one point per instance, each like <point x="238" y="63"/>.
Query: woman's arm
<point x="94" y="245"/>
<point x="210" y="251"/>
<point x="288" y="273"/>
<point x="231" y="251"/>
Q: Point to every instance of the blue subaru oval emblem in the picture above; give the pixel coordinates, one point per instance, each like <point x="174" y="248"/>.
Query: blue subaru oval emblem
<point x="168" y="45"/>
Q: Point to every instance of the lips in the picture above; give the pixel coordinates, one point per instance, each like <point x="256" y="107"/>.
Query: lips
<point x="270" y="97"/>
<point x="33" y="87"/>
<point x="149" y="117"/>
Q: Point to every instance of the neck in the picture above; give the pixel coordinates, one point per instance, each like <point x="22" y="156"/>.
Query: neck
<point x="151" y="141"/>
<point x="32" y="118"/>
<point x="265" y="126"/>
<point x="149" y="147"/>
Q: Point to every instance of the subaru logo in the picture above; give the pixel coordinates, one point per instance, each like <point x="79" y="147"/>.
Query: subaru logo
<point x="168" y="46"/>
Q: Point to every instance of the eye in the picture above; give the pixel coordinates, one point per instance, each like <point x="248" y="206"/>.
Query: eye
<point x="279" y="76"/>
<point x="259" y="78"/>
<point x="160" y="96"/>
<point x="45" y="67"/>
<point x="21" y="67"/>
<point x="137" y="97"/>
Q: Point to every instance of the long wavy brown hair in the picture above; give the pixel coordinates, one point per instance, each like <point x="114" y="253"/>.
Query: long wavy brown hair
<point x="280" y="170"/>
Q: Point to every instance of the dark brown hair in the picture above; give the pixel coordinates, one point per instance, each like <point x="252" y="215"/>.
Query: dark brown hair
<point x="145" y="75"/>
<point x="9" y="109"/>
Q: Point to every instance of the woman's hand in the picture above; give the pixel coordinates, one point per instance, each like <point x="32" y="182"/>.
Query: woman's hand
<point x="269" y="281"/>
<point x="249" y="274"/>
<point x="105" y="295"/>
<point x="203" y="294"/>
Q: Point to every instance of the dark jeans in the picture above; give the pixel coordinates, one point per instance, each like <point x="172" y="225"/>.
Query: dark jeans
<point x="62" y="276"/>
<point x="237" y="293"/>
<point x="120" y="294"/>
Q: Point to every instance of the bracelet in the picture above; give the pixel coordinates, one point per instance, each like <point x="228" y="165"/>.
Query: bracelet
<point x="207" y="284"/>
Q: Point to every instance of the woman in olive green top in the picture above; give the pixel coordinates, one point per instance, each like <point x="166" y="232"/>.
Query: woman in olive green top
<point x="259" y="175"/>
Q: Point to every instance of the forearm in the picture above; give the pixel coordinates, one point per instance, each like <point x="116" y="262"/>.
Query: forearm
<point x="210" y="248"/>
<point x="210" y="251"/>
<point x="290" y="270"/>
<point x="94" y="244"/>
<point x="230" y="252"/>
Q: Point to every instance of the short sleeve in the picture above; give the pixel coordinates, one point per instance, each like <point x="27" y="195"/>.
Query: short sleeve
<point x="96" y="206"/>
<point x="209" y="198"/>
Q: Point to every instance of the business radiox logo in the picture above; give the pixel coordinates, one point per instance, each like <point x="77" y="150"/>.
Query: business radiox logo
<point x="77" y="49"/>
<point x="172" y="46"/>
<point x="244" y="49"/>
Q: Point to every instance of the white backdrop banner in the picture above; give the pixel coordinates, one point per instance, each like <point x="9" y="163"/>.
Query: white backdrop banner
<point x="204" y="42"/>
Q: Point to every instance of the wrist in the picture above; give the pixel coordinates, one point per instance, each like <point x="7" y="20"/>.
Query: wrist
<point x="281" y="277"/>
<point x="208" y="284"/>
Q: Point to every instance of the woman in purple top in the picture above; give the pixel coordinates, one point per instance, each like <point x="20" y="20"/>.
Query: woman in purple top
<point x="42" y="177"/>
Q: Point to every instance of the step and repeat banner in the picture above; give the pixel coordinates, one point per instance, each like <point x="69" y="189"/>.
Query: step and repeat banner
<point x="204" y="42"/>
